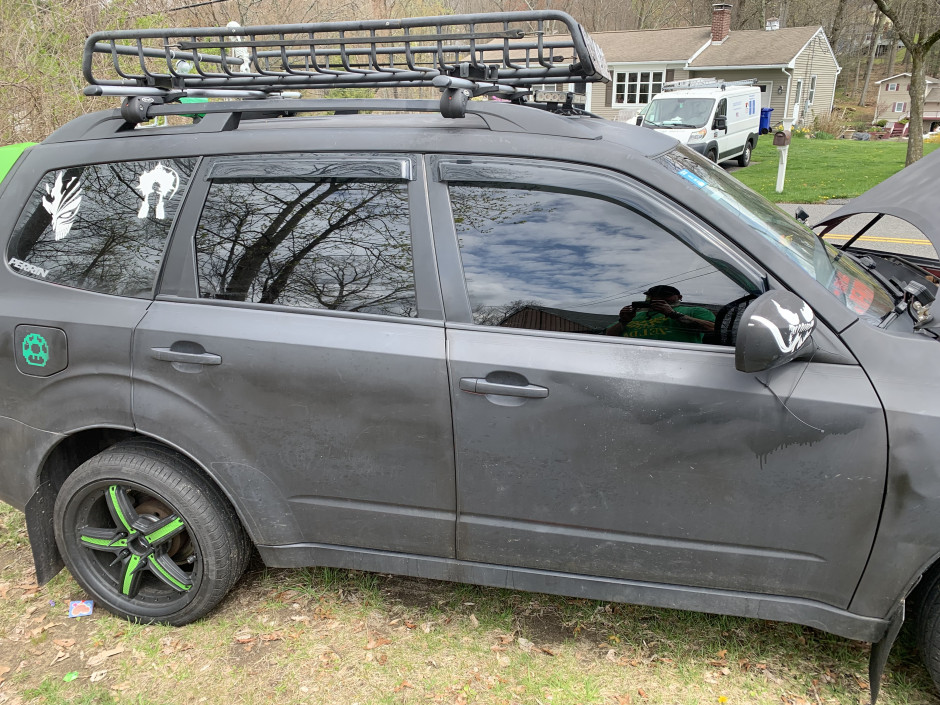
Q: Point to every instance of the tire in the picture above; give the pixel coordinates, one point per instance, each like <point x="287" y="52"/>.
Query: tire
<point x="927" y="624"/>
<point x="147" y="537"/>
<point x="745" y="157"/>
<point x="712" y="155"/>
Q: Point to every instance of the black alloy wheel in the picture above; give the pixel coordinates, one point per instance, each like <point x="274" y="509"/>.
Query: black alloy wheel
<point x="146" y="536"/>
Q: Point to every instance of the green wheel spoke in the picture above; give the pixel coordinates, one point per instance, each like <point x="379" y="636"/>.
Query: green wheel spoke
<point x="166" y="570"/>
<point x="111" y="540"/>
<point x="163" y="531"/>
<point x="130" y="576"/>
<point x="122" y="511"/>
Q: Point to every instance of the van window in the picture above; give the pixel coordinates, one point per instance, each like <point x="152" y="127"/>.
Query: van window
<point x="679" y="112"/>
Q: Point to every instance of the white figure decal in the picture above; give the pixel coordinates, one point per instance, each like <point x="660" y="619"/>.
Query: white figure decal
<point x="162" y="180"/>
<point x="801" y="325"/>
<point x="62" y="201"/>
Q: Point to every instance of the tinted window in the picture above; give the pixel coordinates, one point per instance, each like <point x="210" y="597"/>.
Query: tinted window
<point x="330" y="244"/>
<point x="847" y="280"/>
<point x="102" y="227"/>
<point x="555" y="260"/>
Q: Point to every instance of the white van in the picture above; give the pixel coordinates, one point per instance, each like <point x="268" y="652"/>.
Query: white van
<point x="716" y="118"/>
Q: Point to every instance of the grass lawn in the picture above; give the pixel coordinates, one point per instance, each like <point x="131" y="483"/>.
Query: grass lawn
<point x="818" y="170"/>
<point x="335" y="637"/>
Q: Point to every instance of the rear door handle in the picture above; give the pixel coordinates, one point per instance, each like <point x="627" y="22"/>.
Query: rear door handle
<point x="479" y="385"/>
<point x="169" y="355"/>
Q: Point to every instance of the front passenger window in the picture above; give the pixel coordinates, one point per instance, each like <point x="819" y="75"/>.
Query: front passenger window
<point x="555" y="260"/>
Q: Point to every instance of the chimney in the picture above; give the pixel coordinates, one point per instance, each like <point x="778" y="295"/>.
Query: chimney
<point x="721" y="22"/>
<point x="772" y="24"/>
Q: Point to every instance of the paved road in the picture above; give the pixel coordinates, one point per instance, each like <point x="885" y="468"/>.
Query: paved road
<point x="889" y="234"/>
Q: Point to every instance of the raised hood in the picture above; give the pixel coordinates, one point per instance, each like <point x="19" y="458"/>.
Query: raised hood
<point x="911" y="195"/>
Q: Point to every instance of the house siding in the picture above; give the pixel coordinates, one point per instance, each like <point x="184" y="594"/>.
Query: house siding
<point x="884" y="107"/>
<point x="815" y="59"/>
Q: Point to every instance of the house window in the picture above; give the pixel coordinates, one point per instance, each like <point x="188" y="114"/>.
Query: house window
<point x="899" y="107"/>
<point x="812" y="90"/>
<point x="637" y="87"/>
<point x="892" y="87"/>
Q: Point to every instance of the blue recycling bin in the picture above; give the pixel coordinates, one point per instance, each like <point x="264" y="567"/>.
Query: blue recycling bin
<point x="765" y="120"/>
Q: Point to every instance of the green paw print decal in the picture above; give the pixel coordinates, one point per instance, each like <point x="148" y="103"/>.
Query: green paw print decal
<point x="35" y="350"/>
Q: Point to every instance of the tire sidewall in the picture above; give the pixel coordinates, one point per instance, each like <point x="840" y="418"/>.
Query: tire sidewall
<point x="79" y="492"/>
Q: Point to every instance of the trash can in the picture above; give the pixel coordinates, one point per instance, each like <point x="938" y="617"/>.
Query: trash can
<point x="765" y="120"/>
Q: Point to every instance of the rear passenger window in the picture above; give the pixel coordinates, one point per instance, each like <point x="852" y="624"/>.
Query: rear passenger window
<point x="551" y="259"/>
<point x="102" y="227"/>
<point x="336" y="244"/>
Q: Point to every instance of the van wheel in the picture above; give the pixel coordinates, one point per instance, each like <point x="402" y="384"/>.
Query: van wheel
<point x="712" y="155"/>
<point x="147" y="537"/>
<point x="927" y="624"/>
<point x="745" y="157"/>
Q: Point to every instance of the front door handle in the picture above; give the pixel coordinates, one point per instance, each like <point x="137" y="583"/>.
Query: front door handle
<point x="170" y="355"/>
<point x="479" y="385"/>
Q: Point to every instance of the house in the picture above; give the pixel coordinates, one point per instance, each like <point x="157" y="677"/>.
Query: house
<point x="894" y="100"/>
<point x="794" y="67"/>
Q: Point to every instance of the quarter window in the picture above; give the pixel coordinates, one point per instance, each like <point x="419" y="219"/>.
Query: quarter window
<point x="336" y="244"/>
<point x="549" y="259"/>
<point x="102" y="227"/>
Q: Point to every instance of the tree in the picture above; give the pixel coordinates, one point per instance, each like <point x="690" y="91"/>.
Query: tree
<point x="872" y="50"/>
<point x="912" y="20"/>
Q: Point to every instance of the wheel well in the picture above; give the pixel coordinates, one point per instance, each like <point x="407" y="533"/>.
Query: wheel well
<point x="68" y="455"/>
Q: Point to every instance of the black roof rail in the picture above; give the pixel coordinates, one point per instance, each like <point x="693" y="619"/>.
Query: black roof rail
<point x="503" y="54"/>
<point x="223" y="116"/>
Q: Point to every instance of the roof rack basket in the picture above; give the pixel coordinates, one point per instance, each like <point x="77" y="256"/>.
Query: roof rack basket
<point x="503" y="54"/>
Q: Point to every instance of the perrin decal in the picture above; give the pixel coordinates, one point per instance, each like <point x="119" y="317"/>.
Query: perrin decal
<point x="162" y="180"/>
<point x="62" y="201"/>
<point x="800" y="327"/>
<point x="28" y="268"/>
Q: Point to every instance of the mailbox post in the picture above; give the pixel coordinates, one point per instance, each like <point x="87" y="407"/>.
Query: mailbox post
<point x="782" y="143"/>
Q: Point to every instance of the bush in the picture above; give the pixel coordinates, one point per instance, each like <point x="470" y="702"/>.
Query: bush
<point x="882" y="123"/>
<point x="830" y="123"/>
<point x="822" y="135"/>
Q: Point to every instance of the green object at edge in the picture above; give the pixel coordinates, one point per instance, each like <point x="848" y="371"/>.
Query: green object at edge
<point x="9" y="155"/>
<point x="194" y="100"/>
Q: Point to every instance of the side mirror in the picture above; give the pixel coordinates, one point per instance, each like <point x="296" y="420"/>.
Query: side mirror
<point x="774" y="330"/>
<point x="639" y="119"/>
<point x="802" y="215"/>
<point x="721" y="123"/>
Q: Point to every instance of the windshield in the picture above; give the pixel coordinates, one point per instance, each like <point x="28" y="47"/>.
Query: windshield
<point x="679" y="112"/>
<point x="852" y="284"/>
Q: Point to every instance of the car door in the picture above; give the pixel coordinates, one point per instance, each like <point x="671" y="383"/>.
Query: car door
<point x="628" y="457"/>
<point x="297" y="351"/>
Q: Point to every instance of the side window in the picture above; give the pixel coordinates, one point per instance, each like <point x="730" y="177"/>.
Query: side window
<point x="722" y="108"/>
<point x="337" y="244"/>
<point x="547" y="259"/>
<point x="102" y="227"/>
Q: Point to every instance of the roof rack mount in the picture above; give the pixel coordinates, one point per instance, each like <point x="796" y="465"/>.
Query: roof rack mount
<point x="504" y="53"/>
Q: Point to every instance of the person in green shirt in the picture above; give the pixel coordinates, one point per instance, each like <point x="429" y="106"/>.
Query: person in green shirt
<point x="662" y="317"/>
